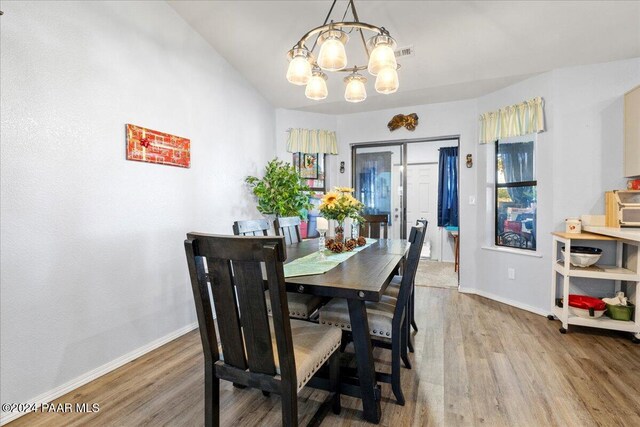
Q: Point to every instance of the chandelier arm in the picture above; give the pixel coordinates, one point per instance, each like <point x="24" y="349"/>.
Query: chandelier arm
<point x="337" y="25"/>
<point x="357" y="19"/>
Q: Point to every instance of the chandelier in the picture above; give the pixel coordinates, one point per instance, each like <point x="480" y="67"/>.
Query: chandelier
<point x="307" y="70"/>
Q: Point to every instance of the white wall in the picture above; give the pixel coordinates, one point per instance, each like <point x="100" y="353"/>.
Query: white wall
<point x="93" y="265"/>
<point x="578" y="158"/>
<point x="436" y="120"/>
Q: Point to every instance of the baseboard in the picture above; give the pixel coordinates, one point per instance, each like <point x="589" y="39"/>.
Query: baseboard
<point x="503" y="300"/>
<point x="83" y="379"/>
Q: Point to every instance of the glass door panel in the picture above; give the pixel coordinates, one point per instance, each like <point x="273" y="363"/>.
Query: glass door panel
<point x="378" y="183"/>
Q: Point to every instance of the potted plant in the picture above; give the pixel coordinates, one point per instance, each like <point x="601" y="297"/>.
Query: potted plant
<point x="280" y="192"/>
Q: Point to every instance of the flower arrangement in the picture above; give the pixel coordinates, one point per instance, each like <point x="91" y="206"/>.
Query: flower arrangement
<point x="340" y="204"/>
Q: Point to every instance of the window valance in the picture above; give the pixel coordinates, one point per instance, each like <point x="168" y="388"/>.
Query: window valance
<point x="514" y="120"/>
<point x="312" y="141"/>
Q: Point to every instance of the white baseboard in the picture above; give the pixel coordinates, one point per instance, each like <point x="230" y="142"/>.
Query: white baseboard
<point x="83" y="379"/>
<point x="503" y="300"/>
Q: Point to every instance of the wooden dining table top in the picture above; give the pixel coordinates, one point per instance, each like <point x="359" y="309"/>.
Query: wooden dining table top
<point x="363" y="276"/>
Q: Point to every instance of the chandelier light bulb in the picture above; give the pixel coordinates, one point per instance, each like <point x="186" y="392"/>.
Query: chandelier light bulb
<point x="299" y="71"/>
<point x="333" y="56"/>
<point x="382" y="55"/>
<point x="355" y="90"/>
<point x="387" y="80"/>
<point x="317" y="86"/>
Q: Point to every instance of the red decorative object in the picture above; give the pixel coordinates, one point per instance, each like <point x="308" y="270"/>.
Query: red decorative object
<point x="586" y="302"/>
<point x="147" y="145"/>
<point x="633" y="184"/>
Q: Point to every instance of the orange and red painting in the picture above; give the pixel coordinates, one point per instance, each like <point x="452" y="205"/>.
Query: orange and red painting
<point x="147" y="145"/>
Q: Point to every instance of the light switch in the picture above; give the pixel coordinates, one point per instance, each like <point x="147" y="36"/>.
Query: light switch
<point x="472" y="200"/>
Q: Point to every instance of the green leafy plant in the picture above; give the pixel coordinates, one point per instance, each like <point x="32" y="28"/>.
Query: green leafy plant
<point x="280" y="192"/>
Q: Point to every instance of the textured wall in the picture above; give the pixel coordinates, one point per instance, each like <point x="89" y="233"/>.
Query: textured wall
<point x="93" y="264"/>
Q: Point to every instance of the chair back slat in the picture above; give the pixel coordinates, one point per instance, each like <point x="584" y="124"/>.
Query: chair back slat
<point x="254" y="314"/>
<point x="251" y="227"/>
<point x="224" y="299"/>
<point x="204" y="312"/>
<point x="416" y="238"/>
<point x="374" y="226"/>
<point x="228" y="269"/>
<point x="281" y="321"/>
<point x="289" y="227"/>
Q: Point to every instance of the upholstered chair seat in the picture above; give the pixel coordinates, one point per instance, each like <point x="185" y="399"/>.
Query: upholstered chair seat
<point x="313" y="344"/>
<point x="301" y="306"/>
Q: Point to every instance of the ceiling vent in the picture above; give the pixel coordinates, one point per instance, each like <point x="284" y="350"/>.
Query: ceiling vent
<point x="405" y="51"/>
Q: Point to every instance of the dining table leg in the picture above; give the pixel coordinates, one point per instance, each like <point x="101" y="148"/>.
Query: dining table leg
<point x="364" y="357"/>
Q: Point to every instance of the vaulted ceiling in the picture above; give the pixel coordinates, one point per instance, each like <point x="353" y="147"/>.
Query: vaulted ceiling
<point x="463" y="49"/>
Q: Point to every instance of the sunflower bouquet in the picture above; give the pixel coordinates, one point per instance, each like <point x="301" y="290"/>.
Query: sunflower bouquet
<point x="340" y="204"/>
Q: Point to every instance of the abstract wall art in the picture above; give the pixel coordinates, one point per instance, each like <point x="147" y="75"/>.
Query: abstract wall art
<point x="152" y="146"/>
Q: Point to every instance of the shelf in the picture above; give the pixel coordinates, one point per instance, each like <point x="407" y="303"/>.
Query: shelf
<point x="582" y="236"/>
<point x="602" y="322"/>
<point x="608" y="272"/>
<point x="629" y="234"/>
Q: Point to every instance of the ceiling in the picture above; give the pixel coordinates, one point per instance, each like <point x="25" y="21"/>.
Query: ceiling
<point x="463" y="49"/>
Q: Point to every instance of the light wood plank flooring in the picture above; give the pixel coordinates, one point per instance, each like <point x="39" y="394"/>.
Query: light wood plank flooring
<point x="477" y="362"/>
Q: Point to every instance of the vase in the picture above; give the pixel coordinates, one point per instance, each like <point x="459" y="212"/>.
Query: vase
<point x="339" y="237"/>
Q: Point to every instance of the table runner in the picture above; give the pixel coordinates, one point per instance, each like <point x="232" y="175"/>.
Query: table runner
<point x="320" y="262"/>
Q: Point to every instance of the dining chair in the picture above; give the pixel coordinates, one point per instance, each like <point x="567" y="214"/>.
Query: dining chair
<point x="251" y="227"/>
<point x="289" y="227"/>
<point x="271" y="353"/>
<point x="374" y="226"/>
<point x="301" y="306"/>
<point x="388" y="319"/>
<point x="394" y="289"/>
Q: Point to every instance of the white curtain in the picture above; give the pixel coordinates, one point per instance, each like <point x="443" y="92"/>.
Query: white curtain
<point x="514" y="120"/>
<point x="312" y="141"/>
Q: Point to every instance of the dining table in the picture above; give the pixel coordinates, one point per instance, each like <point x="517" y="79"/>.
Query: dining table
<point x="360" y="278"/>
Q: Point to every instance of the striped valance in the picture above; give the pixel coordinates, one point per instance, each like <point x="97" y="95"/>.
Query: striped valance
<point x="514" y="120"/>
<point x="312" y="141"/>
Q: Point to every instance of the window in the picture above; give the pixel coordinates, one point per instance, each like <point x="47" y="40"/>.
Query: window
<point x="516" y="195"/>
<point x="311" y="169"/>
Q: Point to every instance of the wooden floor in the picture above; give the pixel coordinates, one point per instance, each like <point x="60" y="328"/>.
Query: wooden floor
<point x="477" y="362"/>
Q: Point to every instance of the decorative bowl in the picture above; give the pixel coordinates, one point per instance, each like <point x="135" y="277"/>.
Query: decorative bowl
<point x="583" y="256"/>
<point x="586" y="306"/>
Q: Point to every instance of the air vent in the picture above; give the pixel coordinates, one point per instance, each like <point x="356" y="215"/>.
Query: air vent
<point x="405" y="51"/>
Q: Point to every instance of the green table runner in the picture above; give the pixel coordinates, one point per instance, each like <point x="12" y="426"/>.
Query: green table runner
<point x="320" y="262"/>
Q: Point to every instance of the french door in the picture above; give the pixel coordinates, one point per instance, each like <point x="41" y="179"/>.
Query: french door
<point x="400" y="179"/>
<point x="379" y="181"/>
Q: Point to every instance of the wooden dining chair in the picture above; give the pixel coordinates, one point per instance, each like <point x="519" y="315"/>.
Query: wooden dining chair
<point x="251" y="227"/>
<point x="274" y="354"/>
<point x="394" y="289"/>
<point x="289" y="227"/>
<point x="374" y="226"/>
<point x="301" y="306"/>
<point x="388" y="319"/>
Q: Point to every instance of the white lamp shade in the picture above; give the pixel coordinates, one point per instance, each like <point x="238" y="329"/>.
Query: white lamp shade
<point x="316" y="88"/>
<point x="387" y="80"/>
<point x="299" y="71"/>
<point x="355" y="91"/>
<point x="332" y="56"/>
<point x="381" y="57"/>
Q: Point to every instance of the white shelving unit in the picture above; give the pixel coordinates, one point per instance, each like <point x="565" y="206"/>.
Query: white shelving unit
<point x="625" y="270"/>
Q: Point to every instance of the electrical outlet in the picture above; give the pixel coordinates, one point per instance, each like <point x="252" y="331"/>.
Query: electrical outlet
<point x="511" y="272"/>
